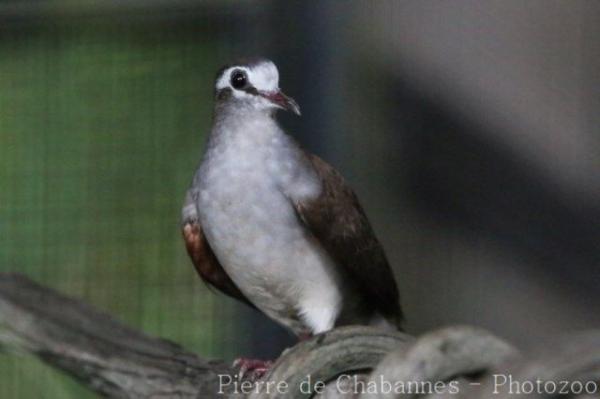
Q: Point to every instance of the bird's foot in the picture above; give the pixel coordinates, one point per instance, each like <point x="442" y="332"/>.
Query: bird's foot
<point x="254" y="369"/>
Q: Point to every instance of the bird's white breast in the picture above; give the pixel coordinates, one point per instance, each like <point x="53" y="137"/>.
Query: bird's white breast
<point x="247" y="181"/>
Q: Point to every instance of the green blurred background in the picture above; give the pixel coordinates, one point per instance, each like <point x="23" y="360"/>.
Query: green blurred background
<point x="101" y="128"/>
<point x="468" y="129"/>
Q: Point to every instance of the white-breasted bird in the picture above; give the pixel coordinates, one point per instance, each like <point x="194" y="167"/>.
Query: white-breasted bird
<point x="276" y="227"/>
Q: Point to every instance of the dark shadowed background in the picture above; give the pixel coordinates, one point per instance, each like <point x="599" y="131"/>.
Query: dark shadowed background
<point x="470" y="130"/>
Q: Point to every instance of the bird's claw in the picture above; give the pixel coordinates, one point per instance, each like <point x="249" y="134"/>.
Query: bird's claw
<point x="253" y="369"/>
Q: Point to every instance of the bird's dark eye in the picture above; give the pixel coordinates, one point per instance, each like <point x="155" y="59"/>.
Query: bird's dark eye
<point x="238" y="79"/>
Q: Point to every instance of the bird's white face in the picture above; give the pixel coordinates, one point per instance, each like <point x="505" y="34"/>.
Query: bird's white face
<point x="263" y="76"/>
<point x="257" y="84"/>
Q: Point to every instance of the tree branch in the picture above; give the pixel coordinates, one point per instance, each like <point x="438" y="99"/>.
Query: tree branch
<point x="100" y="352"/>
<point x="120" y="362"/>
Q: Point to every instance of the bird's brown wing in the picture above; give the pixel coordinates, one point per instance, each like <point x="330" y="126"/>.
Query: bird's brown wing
<point x="206" y="263"/>
<point x="341" y="226"/>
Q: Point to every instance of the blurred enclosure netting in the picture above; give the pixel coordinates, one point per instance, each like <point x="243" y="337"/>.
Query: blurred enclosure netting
<point x="102" y="117"/>
<point x="470" y="131"/>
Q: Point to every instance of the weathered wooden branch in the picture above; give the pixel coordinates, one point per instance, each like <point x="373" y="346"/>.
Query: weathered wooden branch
<point x="443" y="355"/>
<point x="100" y="352"/>
<point x="120" y="362"/>
<point x="350" y="350"/>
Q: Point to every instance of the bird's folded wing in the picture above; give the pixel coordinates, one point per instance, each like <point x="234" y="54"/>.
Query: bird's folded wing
<point x="339" y="223"/>
<point x="205" y="261"/>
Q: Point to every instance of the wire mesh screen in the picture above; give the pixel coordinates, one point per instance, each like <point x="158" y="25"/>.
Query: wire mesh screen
<point x="468" y="131"/>
<point x="101" y="127"/>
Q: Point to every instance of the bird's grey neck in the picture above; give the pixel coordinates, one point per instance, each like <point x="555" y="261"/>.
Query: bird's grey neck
<point x="240" y="110"/>
<point x="233" y="121"/>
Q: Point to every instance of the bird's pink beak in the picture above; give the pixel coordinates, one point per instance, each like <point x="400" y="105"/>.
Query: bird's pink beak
<point x="281" y="100"/>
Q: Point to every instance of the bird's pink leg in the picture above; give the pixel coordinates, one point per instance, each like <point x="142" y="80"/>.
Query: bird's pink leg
<point x="254" y="368"/>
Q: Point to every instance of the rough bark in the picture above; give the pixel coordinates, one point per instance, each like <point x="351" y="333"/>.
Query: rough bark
<point x="120" y="362"/>
<point x="102" y="353"/>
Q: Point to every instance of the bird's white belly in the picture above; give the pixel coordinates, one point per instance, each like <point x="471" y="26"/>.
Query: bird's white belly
<point x="253" y="230"/>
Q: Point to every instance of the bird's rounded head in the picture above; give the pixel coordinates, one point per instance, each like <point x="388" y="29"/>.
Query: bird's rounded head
<point x="253" y="84"/>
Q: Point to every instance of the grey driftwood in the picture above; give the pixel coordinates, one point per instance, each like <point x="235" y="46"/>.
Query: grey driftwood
<point x="120" y="362"/>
